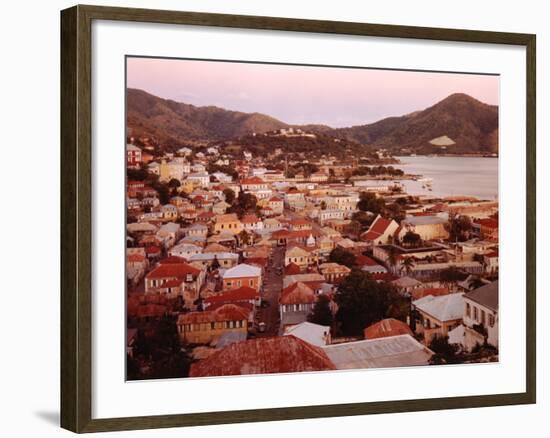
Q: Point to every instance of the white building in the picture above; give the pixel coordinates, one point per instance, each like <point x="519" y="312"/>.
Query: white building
<point x="481" y="316"/>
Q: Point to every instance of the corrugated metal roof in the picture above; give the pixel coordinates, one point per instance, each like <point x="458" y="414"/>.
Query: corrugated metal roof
<point x="394" y="351"/>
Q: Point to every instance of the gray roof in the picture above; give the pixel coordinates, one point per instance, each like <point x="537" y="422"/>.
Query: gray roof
<point x="485" y="295"/>
<point x="425" y="220"/>
<point x="444" y="308"/>
<point x="392" y="351"/>
<point x="229" y="338"/>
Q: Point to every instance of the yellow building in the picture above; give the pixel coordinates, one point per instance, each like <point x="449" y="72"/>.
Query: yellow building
<point x="228" y="223"/>
<point x="207" y="326"/>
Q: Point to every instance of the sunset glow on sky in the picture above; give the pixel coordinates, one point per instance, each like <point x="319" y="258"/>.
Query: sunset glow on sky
<point x="336" y="97"/>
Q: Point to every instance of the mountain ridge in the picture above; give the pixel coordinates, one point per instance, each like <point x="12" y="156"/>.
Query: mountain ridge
<point x="472" y="125"/>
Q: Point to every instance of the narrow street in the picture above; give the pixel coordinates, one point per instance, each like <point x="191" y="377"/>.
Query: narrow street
<point x="273" y="283"/>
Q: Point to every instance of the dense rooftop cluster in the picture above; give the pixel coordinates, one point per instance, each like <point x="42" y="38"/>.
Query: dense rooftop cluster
<point x="236" y="265"/>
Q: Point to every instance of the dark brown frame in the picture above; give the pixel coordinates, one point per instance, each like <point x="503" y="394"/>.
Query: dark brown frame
<point x="76" y="173"/>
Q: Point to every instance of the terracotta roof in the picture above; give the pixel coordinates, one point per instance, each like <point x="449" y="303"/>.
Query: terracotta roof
<point x="252" y="180"/>
<point x="215" y="247"/>
<point x="227" y="312"/>
<point x="282" y="354"/>
<point x="172" y="283"/>
<point x="377" y="228"/>
<point x="170" y="260"/>
<point x="489" y="223"/>
<point x="230" y="217"/>
<point x="370" y="235"/>
<point x="243" y="293"/>
<point x="299" y="221"/>
<point x="135" y="258"/>
<point x="380" y="225"/>
<point x="207" y="215"/>
<point x="275" y="199"/>
<point x="363" y="260"/>
<point x="387" y="327"/>
<point x="258" y="261"/>
<point x="250" y="219"/>
<point x="152" y="249"/>
<point x="297" y="293"/>
<point x="292" y="269"/>
<point x="173" y="270"/>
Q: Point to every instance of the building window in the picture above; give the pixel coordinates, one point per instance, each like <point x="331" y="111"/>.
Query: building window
<point x="491" y="320"/>
<point x="475" y="313"/>
<point x="468" y="310"/>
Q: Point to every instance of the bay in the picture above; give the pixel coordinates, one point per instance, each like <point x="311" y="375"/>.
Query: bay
<point x="452" y="176"/>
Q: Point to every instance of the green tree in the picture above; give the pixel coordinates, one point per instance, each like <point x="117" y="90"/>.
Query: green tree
<point x="174" y="183"/>
<point x="408" y="264"/>
<point x="412" y="239"/>
<point x="321" y="313"/>
<point x="229" y="196"/>
<point x="365" y="219"/>
<point x="163" y="193"/>
<point x="363" y="301"/>
<point x="215" y="264"/>
<point x="247" y="201"/>
<point x="244" y="237"/>
<point x="450" y="275"/>
<point x="444" y="353"/>
<point x="370" y="202"/>
<point x="343" y="257"/>
<point x="459" y="228"/>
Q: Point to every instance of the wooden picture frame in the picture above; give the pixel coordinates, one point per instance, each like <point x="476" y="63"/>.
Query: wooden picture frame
<point x="76" y="222"/>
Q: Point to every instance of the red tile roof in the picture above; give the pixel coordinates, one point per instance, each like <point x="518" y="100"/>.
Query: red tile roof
<point x="387" y="327"/>
<point x="253" y="180"/>
<point x="363" y="260"/>
<point x="297" y="293"/>
<point x="489" y="223"/>
<point x="227" y="312"/>
<point x="370" y="235"/>
<point x="299" y="221"/>
<point x="377" y="228"/>
<point x="178" y="270"/>
<point x="258" y="261"/>
<point x="281" y="354"/>
<point x="250" y="219"/>
<point x="292" y="269"/>
<point x="152" y="249"/>
<point x="170" y="260"/>
<point x="243" y="293"/>
<point x="135" y="258"/>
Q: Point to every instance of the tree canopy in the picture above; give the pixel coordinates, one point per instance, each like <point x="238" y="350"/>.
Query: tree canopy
<point x="343" y="257"/>
<point x="459" y="228"/>
<point x="321" y="314"/>
<point x="363" y="301"/>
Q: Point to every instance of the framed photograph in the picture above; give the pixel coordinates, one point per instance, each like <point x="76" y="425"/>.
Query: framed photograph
<point x="270" y="218"/>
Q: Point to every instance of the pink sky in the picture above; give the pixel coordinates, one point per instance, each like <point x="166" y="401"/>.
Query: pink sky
<point x="300" y="94"/>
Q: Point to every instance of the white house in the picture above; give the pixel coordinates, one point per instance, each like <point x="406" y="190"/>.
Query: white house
<point x="481" y="316"/>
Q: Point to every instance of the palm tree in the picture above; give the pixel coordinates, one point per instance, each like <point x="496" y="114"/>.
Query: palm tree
<point x="392" y="256"/>
<point x="408" y="264"/>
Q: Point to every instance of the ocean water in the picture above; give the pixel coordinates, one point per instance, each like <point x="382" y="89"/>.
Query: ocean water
<point x="453" y="176"/>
